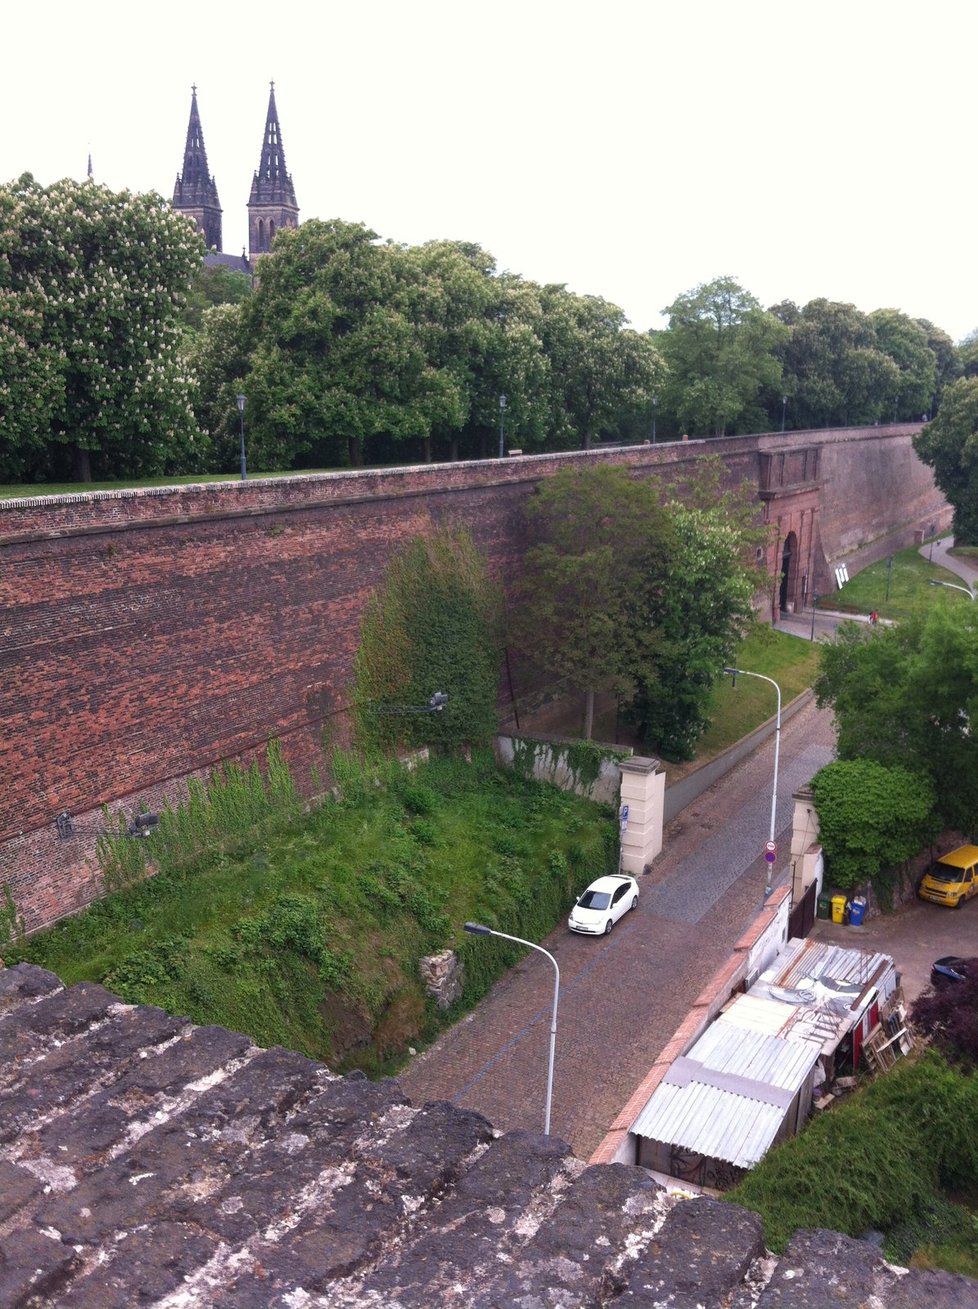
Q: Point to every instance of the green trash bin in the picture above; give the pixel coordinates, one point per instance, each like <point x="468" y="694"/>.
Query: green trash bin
<point x="823" y="907"/>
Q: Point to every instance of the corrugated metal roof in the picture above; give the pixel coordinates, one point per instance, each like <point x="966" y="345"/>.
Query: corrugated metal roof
<point x="727" y="1099"/>
<point x="822" y="960"/>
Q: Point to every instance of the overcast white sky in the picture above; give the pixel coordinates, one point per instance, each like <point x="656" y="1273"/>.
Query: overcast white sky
<point x="630" y="150"/>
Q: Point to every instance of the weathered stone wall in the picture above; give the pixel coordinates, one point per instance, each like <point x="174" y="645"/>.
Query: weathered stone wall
<point x="144" y="1161"/>
<point x="148" y="635"/>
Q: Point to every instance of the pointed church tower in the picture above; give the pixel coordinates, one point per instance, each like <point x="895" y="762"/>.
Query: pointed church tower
<point x="273" y="203"/>
<point x="195" y="193"/>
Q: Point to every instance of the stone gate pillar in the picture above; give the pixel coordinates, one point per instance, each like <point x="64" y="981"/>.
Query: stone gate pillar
<point x="643" y="789"/>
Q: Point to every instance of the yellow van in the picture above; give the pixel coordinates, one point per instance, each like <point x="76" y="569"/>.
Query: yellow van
<point x="953" y="878"/>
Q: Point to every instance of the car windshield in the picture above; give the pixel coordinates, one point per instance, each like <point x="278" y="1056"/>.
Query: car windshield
<point x="594" y="900"/>
<point x="945" y="873"/>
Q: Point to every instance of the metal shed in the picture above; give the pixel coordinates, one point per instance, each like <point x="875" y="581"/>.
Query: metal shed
<point x="748" y="1081"/>
<point x="720" y="1108"/>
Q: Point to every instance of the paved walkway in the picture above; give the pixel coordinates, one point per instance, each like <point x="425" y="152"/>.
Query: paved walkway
<point x="936" y="552"/>
<point x="623" y="996"/>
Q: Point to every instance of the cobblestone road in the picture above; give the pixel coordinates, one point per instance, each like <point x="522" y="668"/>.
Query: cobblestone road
<point x="623" y="996"/>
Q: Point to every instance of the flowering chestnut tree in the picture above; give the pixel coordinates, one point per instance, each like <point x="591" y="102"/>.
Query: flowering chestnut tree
<point x="91" y="380"/>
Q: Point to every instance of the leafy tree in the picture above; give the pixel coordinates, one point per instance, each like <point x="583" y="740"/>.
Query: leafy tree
<point x="947" y="360"/>
<point x="950" y="446"/>
<point x="699" y="606"/>
<point x="721" y="351"/>
<point x="906" y="697"/>
<point x="218" y="360"/>
<point x="91" y="285"/>
<point x="596" y="535"/>
<point x="337" y="357"/>
<point x="434" y="626"/>
<point x="212" y="286"/>
<point x="834" y="370"/>
<point x="599" y="369"/>
<point x="968" y="354"/>
<point x="949" y="1016"/>
<point x="905" y="342"/>
<point x="872" y="820"/>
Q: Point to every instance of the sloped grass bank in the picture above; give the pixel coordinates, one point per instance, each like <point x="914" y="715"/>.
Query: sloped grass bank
<point x="894" y="590"/>
<point x="899" y="1157"/>
<point x="306" y="929"/>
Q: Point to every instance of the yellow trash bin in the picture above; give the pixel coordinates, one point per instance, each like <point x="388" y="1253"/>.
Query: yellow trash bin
<point x="838" y="909"/>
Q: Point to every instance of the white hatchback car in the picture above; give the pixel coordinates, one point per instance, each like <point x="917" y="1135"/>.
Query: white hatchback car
<point x="603" y="903"/>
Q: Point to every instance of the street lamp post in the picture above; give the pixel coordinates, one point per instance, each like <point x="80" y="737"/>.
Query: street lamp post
<point x="244" y="466"/>
<point x="478" y="929"/>
<point x="743" y="672"/>
<point x="784" y="406"/>
<point x="953" y="586"/>
<point x="502" y="416"/>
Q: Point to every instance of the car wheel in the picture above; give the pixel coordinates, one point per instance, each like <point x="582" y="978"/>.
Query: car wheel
<point x="958" y="902"/>
<point x="634" y="901"/>
<point x="608" y="926"/>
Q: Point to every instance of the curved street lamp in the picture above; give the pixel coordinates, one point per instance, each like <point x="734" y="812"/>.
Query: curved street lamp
<point x="953" y="586"/>
<point x="479" y="929"/>
<point x="241" y="409"/>
<point x="743" y="672"/>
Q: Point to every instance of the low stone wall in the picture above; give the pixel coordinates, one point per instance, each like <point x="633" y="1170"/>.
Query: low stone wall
<point x="587" y="768"/>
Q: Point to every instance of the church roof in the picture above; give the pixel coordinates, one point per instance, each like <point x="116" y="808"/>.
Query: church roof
<point x="272" y="183"/>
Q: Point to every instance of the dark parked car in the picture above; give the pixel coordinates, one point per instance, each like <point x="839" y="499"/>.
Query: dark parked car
<point x="950" y="969"/>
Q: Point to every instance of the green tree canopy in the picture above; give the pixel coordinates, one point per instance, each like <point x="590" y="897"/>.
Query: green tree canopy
<point x="337" y="356"/>
<point x="213" y="285"/>
<point x="907" y="696"/>
<point x="600" y="369"/>
<point x="699" y="606"/>
<point x="949" y="445"/>
<point x="906" y="342"/>
<point x="596" y="534"/>
<point x="721" y="349"/>
<point x="872" y="820"/>
<point x="834" y="369"/>
<point x="91" y="285"/>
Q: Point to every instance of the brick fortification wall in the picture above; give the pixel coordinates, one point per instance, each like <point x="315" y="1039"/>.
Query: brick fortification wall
<point x="148" y="635"/>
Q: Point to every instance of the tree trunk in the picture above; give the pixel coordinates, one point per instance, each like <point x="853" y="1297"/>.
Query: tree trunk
<point x="356" y="452"/>
<point x="81" y="464"/>
<point x="588" y="714"/>
<point x="426" y="446"/>
<point x="453" y="450"/>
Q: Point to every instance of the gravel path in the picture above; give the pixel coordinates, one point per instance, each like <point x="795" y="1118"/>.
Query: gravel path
<point x="623" y="996"/>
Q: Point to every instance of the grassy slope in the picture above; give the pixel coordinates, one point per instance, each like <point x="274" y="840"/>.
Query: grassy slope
<point x="909" y="586"/>
<point x="309" y="936"/>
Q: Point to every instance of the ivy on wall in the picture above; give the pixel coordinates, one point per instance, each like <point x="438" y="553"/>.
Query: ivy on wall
<point x="434" y="626"/>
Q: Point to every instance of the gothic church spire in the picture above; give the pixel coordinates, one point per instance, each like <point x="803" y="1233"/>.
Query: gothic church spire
<point x="272" y="204"/>
<point x="195" y="193"/>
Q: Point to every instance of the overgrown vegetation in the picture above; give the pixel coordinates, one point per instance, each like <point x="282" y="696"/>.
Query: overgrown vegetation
<point x="305" y="928"/>
<point x="871" y="821"/>
<point x="631" y="590"/>
<point x="907" y="696"/>
<point x="891" y="1155"/>
<point x="948" y="1016"/>
<point x="434" y="626"/>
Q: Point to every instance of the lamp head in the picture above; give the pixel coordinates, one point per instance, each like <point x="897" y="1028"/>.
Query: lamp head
<point x="241" y="404"/>
<point x="478" y="929"/>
